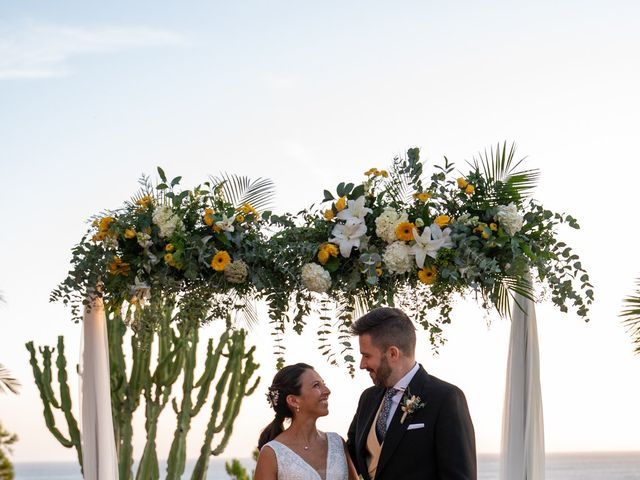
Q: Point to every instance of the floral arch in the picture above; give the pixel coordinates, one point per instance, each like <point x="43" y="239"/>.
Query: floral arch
<point x="170" y="260"/>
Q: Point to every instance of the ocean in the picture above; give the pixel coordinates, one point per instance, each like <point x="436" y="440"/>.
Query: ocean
<point x="560" y="466"/>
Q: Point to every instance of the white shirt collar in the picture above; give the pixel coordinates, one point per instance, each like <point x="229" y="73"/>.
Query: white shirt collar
<point x="403" y="383"/>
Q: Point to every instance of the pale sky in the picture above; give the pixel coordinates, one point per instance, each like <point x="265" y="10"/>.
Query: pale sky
<point x="310" y="94"/>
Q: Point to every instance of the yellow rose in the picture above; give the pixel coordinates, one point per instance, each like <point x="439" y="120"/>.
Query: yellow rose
<point x="323" y="256"/>
<point x="469" y="189"/>
<point x="479" y="228"/>
<point x="379" y="271"/>
<point x="208" y="216"/>
<point x="493" y="227"/>
<point x="129" y="233"/>
<point x="442" y="220"/>
<point x="341" y="203"/>
<point x="220" y="260"/>
<point x="423" y="196"/>
<point x="328" y="214"/>
<point x="428" y="275"/>
<point x="384" y="173"/>
<point x="330" y="248"/>
<point x="462" y="183"/>
<point x="169" y="247"/>
<point x="485" y="234"/>
<point x="168" y="258"/>
<point x="145" y="201"/>
<point x="248" y="209"/>
<point x="404" y="231"/>
<point x="372" y="171"/>
<point x="103" y="228"/>
<point x="118" y="267"/>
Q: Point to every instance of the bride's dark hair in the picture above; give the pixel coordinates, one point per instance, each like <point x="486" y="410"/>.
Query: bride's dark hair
<point x="285" y="382"/>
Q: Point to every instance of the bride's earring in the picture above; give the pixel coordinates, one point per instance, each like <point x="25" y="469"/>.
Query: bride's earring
<point x="297" y="408"/>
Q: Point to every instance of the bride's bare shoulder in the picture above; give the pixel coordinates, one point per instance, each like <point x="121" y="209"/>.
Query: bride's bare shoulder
<point x="267" y="466"/>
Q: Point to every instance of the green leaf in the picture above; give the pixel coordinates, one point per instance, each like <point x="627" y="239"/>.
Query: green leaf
<point x="358" y="191"/>
<point x="328" y="196"/>
<point x="163" y="177"/>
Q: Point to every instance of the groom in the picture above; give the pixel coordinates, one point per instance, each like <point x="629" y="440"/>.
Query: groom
<point x="409" y="425"/>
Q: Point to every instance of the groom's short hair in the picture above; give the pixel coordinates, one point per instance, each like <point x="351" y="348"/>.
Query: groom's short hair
<point x="387" y="327"/>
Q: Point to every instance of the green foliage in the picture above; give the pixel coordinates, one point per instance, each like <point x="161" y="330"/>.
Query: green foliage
<point x="6" y="468"/>
<point x="236" y="471"/>
<point x="631" y="316"/>
<point x="6" y="441"/>
<point x="402" y="236"/>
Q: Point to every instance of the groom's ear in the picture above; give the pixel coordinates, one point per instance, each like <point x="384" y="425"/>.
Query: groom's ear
<point x="393" y="352"/>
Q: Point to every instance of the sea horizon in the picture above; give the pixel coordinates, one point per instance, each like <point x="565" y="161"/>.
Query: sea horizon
<point x="589" y="465"/>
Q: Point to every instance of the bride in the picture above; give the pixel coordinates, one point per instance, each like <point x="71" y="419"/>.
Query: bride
<point x="301" y="452"/>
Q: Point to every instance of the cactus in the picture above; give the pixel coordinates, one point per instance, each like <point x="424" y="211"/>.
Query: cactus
<point x="176" y="339"/>
<point x="43" y="379"/>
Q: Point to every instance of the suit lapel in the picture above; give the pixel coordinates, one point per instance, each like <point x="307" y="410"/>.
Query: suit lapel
<point x="397" y="430"/>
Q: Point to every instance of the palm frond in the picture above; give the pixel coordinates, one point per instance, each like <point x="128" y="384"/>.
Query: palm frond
<point x="7" y="379"/>
<point x="239" y="190"/>
<point x="399" y="185"/>
<point x="245" y="311"/>
<point x="631" y="316"/>
<point x="505" y="292"/>
<point x="499" y="167"/>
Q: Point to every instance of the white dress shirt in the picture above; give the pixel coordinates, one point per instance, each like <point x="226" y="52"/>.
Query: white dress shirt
<point x="401" y="385"/>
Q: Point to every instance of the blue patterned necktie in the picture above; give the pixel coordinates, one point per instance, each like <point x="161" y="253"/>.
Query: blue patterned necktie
<point x="381" y="424"/>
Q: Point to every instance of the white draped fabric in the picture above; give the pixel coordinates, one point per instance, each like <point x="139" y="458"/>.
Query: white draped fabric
<point x="522" y="456"/>
<point x="99" y="457"/>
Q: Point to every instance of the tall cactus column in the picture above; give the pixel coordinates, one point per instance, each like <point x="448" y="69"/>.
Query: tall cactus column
<point x="234" y="381"/>
<point x="44" y="381"/>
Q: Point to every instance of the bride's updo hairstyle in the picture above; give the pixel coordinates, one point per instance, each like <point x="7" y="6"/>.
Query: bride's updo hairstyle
<point x="286" y="382"/>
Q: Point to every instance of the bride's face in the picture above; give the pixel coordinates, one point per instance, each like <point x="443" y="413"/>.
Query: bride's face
<point x="314" y="394"/>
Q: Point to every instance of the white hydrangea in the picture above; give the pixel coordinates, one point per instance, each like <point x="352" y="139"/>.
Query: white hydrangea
<point x="166" y="220"/>
<point x="509" y="218"/>
<point x="397" y="257"/>
<point x="315" y="278"/>
<point x="387" y="222"/>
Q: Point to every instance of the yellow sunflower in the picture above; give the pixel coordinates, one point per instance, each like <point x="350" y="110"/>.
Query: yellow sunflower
<point x="404" y="231"/>
<point x="428" y="275"/>
<point x="220" y="260"/>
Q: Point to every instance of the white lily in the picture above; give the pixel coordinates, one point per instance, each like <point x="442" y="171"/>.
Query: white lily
<point x="432" y="239"/>
<point x="347" y="235"/>
<point x="226" y="224"/>
<point x="355" y="209"/>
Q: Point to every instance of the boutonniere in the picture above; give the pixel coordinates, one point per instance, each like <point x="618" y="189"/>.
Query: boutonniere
<point x="409" y="404"/>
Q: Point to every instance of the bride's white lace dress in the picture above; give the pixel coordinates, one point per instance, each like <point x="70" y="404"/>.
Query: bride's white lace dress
<point x="292" y="467"/>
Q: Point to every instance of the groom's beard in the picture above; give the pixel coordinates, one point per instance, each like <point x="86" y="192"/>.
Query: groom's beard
<point x="382" y="373"/>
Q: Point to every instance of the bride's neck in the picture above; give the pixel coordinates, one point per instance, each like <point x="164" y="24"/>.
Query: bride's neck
<point x="304" y="428"/>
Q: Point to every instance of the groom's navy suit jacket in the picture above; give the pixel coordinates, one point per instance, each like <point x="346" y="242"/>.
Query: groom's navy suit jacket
<point x="444" y="448"/>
